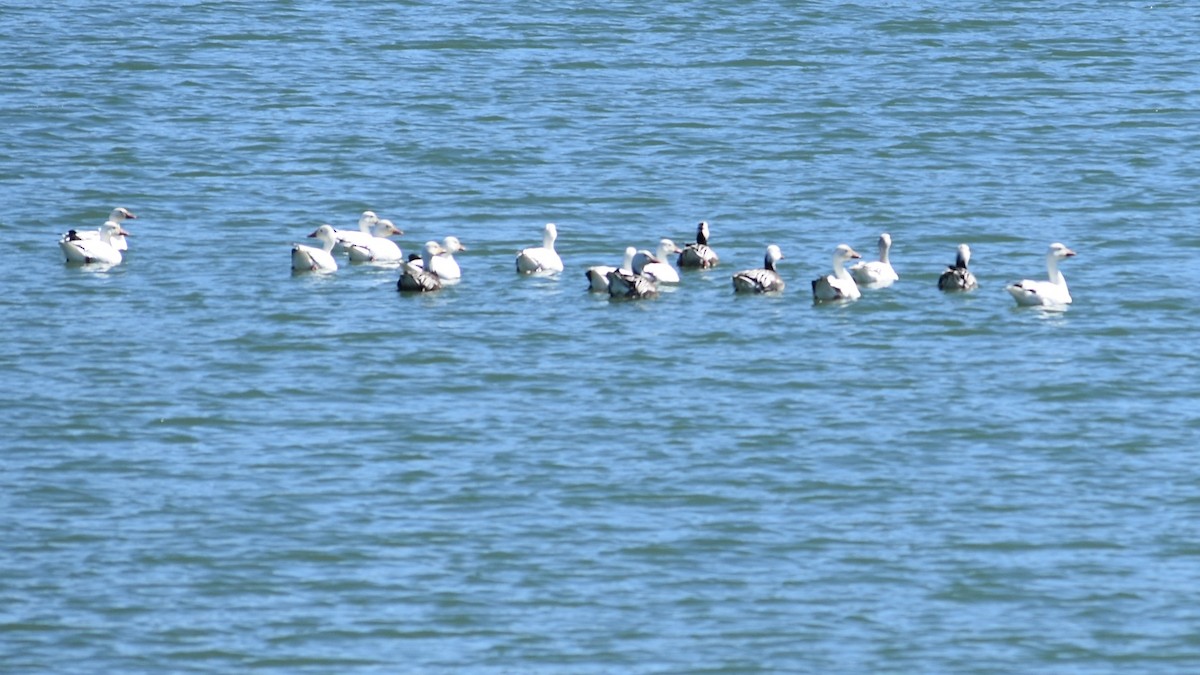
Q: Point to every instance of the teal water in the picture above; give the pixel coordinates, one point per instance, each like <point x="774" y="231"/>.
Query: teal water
<point x="210" y="464"/>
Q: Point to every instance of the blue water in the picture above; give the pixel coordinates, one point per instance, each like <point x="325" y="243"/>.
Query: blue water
<point x="211" y="464"/>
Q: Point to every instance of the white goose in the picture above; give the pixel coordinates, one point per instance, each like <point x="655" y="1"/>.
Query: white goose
<point x="313" y="259"/>
<point x="444" y="264"/>
<point x="418" y="277"/>
<point x="957" y="277"/>
<point x="118" y="216"/>
<point x="541" y="259"/>
<point x="101" y="249"/>
<point x="363" y="236"/>
<point x="1028" y="292"/>
<point x="839" y="285"/>
<point x="656" y="267"/>
<point x="764" y="279"/>
<point x="699" y="254"/>
<point x="876" y="273"/>
<point x="378" y="249"/>
<point x="626" y="282"/>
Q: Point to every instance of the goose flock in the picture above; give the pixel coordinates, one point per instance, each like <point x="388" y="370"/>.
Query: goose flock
<point x="639" y="276"/>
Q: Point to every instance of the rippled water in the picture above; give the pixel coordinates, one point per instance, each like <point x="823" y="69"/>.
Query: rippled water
<point x="212" y="464"/>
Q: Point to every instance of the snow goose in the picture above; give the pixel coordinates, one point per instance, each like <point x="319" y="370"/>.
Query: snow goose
<point x="876" y="273"/>
<point x="313" y="259"/>
<point x="378" y="249"/>
<point x="101" y="249"/>
<point x="541" y="259"/>
<point x="699" y="254"/>
<point x="764" y="279"/>
<point x="656" y="266"/>
<point x="444" y="264"/>
<point x="1028" y="292"/>
<point x="839" y="285"/>
<point x="363" y="236"/>
<point x="627" y="283"/>
<point x="118" y="216"/>
<point x="418" y="277"/>
<point x="957" y="277"/>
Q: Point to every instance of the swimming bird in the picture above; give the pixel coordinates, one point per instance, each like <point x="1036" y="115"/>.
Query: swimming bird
<point x="764" y="279"/>
<point x="876" y="273"/>
<point x="313" y="259"/>
<point x="699" y="254"/>
<point x="444" y="264"/>
<point x="957" y="277"/>
<point x="418" y="278"/>
<point x="363" y="235"/>
<point x="625" y="282"/>
<point x="102" y="249"/>
<point x="378" y="249"/>
<point x="1028" y="292"/>
<point x="656" y="267"/>
<point x="839" y="285"/>
<point x="541" y="259"/>
<point x="118" y="216"/>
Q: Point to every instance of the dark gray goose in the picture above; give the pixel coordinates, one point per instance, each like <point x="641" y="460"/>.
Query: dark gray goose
<point x="626" y="283"/>
<point x="699" y="254"/>
<point x="764" y="279"/>
<point x="418" y="278"/>
<point x="957" y="277"/>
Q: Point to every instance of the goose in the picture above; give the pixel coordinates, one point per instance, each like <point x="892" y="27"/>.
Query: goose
<point x="444" y="264"/>
<point x="876" y="273"/>
<point x="313" y="259"/>
<point x="1028" y="292"/>
<point x="541" y="259"/>
<point x="656" y="267"/>
<point x="363" y="235"/>
<point x="418" y="277"/>
<point x="101" y="249"/>
<point x="118" y="216"/>
<point x="957" y="277"/>
<point x="764" y="279"/>
<point x="377" y="249"/>
<point x="627" y="283"/>
<point x="839" y="285"/>
<point x="699" y="254"/>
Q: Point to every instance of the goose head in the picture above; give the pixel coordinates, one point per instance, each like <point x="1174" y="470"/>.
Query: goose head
<point x="431" y="249"/>
<point x="325" y="234"/>
<point x="453" y="245"/>
<point x="121" y="213"/>
<point x="367" y="220"/>
<point x="964" y="256"/>
<point x="549" y="234"/>
<point x="665" y="248"/>
<point x="643" y="258"/>
<point x="111" y="230"/>
<point x="773" y="256"/>
<point x="885" y="245"/>
<point x="385" y="228"/>
<point x="843" y="253"/>
<point x="702" y="233"/>
<point x="1059" y="252"/>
